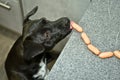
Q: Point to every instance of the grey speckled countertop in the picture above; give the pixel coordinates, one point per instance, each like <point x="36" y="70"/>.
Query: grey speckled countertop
<point x="102" y="24"/>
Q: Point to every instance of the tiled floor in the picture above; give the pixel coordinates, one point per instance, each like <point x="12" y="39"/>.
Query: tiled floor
<point x="7" y="39"/>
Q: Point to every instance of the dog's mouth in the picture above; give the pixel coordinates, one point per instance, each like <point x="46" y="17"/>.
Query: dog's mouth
<point x="64" y="29"/>
<point x="65" y="22"/>
<point x="67" y="28"/>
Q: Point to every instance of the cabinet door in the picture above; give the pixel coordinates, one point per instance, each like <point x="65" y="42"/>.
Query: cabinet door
<point x="11" y="18"/>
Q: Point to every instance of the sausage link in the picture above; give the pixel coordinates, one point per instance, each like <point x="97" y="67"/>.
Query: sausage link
<point x="93" y="49"/>
<point x="76" y="26"/>
<point x="106" y="54"/>
<point x="85" y="38"/>
<point x="117" y="53"/>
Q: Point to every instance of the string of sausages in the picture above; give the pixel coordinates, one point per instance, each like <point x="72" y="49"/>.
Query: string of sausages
<point x="91" y="47"/>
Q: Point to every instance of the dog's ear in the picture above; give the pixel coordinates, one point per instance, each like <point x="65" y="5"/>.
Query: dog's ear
<point x="32" y="12"/>
<point x="32" y="49"/>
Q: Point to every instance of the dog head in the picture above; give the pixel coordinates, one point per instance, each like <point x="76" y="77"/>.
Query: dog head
<point x="41" y="35"/>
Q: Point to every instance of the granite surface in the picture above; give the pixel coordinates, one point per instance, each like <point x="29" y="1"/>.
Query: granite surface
<point x="102" y="24"/>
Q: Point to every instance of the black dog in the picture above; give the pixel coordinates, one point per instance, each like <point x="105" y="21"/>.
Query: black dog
<point x="30" y="54"/>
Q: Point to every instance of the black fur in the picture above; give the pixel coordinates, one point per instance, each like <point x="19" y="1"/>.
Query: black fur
<point x="37" y="39"/>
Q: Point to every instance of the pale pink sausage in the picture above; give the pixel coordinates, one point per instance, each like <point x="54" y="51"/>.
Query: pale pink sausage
<point x="76" y="27"/>
<point x="106" y="54"/>
<point x="117" y="53"/>
<point x="85" y="38"/>
<point x="93" y="49"/>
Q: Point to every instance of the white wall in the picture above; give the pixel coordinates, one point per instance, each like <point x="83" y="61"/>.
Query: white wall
<point x="54" y="9"/>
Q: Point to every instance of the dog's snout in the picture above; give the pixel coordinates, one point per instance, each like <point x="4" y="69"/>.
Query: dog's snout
<point x="65" y="21"/>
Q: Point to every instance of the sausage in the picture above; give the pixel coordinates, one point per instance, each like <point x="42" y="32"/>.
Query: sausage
<point x="85" y="38"/>
<point x="93" y="49"/>
<point x="117" y="53"/>
<point x="106" y="54"/>
<point x="76" y="26"/>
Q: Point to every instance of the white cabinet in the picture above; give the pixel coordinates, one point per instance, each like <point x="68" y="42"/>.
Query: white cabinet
<point x="11" y="19"/>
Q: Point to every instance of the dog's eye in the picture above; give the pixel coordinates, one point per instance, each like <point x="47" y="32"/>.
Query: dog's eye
<point x="47" y="34"/>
